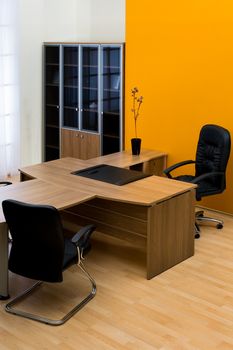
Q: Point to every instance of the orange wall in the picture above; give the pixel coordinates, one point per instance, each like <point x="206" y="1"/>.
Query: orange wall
<point x="180" y="56"/>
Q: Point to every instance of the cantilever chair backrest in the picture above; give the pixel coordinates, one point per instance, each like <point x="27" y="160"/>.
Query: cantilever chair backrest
<point x="38" y="244"/>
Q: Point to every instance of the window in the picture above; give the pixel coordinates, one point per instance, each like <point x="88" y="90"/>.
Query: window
<point x="9" y="90"/>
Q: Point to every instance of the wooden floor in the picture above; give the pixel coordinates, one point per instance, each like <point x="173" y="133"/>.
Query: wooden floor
<point x="188" y="307"/>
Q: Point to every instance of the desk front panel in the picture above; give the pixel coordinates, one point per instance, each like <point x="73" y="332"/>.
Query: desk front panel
<point x="165" y="230"/>
<point x="121" y="220"/>
<point x="170" y="236"/>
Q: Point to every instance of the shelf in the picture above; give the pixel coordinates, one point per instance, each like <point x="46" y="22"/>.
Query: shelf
<point x="112" y="90"/>
<point x="71" y="107"/>
<point x="52" y="84"/>
<point x="70" y="65"/>
<point x="117" y="114"/>
<point x="52" y="126"/>
<point x="89" y="88"/>
<point x="52" y="64"/>
<point x="111" y="67"/>
<point x="111" y="136"/>
<point x="71" y="86"/>
<point x="90" y="110"/>
<point x="52" y="146"/>
<point x="89" y="66"/>
<point x="52" y="105"/>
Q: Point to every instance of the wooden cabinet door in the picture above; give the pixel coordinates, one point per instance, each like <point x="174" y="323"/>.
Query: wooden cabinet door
<point x="90" y="145"/>
<point x="67" y="137"/>
<point x="79" y="144"/>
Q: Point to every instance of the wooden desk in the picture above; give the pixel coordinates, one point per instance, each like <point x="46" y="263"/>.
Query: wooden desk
<point x="155" y="212"/>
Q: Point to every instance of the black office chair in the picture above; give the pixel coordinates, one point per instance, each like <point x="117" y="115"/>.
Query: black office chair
<point x="39" y="251"/>
<point x="212" y="155"/>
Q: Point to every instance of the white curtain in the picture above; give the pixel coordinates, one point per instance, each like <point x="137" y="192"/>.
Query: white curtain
<point x="9" y="89"/>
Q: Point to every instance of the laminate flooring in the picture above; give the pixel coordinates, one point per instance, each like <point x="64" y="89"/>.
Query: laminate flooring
<point x="187" y="307"/>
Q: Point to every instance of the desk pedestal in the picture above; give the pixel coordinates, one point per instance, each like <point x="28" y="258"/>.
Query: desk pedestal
<point x="165" y="230"/>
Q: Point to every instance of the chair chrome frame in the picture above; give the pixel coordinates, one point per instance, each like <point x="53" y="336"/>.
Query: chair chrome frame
<point x="9" y="306"/>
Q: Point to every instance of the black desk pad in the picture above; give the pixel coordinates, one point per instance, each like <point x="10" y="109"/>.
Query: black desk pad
<point x="111" y="174"/>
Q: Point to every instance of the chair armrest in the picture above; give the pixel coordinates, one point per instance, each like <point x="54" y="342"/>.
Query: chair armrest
<point x="207" y="176"/>
<point x="81" y="238"/>
<point x="5" y="183"/>
<point x="177" y="165"/>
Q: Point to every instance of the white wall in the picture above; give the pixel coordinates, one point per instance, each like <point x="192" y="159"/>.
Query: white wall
<point x="57" y="20"/>
<point x="107" y="20"/>
<point x="67" y="20"/>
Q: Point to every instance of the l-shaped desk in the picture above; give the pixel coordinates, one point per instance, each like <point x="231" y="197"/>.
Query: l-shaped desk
<point x="155" y="212"/>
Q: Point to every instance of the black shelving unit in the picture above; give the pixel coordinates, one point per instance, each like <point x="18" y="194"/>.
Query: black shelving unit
<point x="52" y="103"/>
<point x="83" y="92"/>
<point x="112" y="88"/>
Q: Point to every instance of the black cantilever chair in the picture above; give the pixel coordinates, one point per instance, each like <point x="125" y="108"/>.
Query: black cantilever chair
<point x="212" y="155"/>
<point x="39" y="251"/>
<point x="2" y="184"/>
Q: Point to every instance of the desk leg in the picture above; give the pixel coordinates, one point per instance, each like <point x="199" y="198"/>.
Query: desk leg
<point x="3" y="261"/>
<point x="170" y="233"/>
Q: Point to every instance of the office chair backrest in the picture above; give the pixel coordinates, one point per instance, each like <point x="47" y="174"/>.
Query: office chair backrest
<point x="213" y="152"/>
<point x="37" y="250"/>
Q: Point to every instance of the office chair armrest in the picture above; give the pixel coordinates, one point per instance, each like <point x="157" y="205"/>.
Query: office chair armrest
<point x="207" y="176"/>
<point x="81" y="238"/>
<point x="5" y="183"/>
<point x="177" y="165"/>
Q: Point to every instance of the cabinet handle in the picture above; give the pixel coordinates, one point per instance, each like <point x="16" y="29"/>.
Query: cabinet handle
<point x="58" y="107"/>
<point x="81" y="136"/>
<point x="76" y="109"/>
<point x="81" y="110"/>
<point x="76" y="135"/>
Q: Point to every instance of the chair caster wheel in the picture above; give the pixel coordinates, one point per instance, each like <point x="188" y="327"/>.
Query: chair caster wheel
<point x="219" y="226"/>
<point x="197" y="235"/>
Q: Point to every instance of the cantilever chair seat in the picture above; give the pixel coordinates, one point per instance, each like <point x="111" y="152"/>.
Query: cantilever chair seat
<point x="40" y="252"/>
<point x="212" y="156"/>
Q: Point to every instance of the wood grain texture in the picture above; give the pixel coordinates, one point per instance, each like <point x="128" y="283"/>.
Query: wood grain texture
<point x="165" y="231"/>
<point x="40" y="192"/>
<point x="79" y="144"/>
<point x="188" y="307"/>
<point x="125" y="221"/>
<point x="147" y="191"/>
<point x="170" y="233"/>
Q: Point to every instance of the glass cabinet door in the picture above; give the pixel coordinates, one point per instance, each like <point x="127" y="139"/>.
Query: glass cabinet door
<point x="111" y="99"/>
<point x="52" y="102"/>
<point x="89" y="93"/>
<point x="70" y="86"/>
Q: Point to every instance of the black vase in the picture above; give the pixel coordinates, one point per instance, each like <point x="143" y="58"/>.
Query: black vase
<point x="136" y="146"/>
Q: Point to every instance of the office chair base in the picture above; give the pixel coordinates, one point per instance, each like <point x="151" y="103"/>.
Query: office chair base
<point x="197" y="231"/>
<point x="200" y="217"/>
<point x="10" y="309"/>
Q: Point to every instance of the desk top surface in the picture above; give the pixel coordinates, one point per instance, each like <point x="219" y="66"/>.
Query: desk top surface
<point x="145" y="191"/>
<point x="54" y="184"/>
